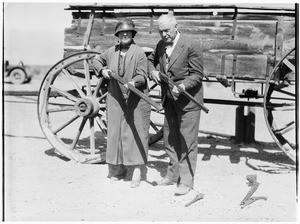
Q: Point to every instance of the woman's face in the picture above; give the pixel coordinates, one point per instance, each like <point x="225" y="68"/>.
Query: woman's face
<point x="125" y="37"/>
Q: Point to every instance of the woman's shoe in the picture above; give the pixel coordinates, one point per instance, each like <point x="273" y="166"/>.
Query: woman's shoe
<point x="119" y="176"/>
<point x="136" y="177"/>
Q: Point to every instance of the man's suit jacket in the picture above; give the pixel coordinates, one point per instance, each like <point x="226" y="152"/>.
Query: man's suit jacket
<point x="185" y="66"/>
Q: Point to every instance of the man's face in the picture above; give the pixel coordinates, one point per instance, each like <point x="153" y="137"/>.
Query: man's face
<point x="167" y="32"/>
<point x="125" y="37"/>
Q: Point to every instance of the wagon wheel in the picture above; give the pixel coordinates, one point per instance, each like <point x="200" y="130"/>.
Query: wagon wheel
<point x="71" y="103"/>
<point x="17" y="76"/>
<point x="279" y="105"/>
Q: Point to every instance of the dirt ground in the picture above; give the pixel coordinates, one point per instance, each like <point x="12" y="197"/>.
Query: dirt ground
<point x="41" y="185"/>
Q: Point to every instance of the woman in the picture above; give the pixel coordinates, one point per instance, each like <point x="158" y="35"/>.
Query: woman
<point x="128" y="114"/>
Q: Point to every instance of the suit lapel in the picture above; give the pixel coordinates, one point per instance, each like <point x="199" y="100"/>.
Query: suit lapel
<point x="176" y="52"/>
<point x="162" y="59"/>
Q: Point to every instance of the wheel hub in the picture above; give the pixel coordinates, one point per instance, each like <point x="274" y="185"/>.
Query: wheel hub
<point x="17" y="76"/>
<point x="87" y="107"/>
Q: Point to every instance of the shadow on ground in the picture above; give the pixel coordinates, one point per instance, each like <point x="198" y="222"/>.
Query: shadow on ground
<point x="260" y="156"/>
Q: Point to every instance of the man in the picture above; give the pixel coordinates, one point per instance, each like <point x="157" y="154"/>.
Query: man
<point x="180" y="58"/>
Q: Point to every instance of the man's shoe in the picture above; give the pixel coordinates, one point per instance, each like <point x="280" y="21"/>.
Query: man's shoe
<point x="182" y="190"/>
<point x="165" y="182"/>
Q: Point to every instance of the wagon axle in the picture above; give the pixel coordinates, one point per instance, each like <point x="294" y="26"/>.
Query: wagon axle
<point x="87" y="107"/>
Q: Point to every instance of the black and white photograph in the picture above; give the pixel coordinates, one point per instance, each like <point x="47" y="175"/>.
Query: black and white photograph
<point x="150" y="111"/>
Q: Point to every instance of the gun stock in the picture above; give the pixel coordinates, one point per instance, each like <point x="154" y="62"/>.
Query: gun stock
<point x="136" y="91"/>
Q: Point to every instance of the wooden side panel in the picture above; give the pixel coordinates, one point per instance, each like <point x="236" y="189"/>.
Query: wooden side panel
<point x="253" y="42"/>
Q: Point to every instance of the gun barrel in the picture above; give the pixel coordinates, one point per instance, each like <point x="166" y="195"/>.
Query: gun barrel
<point x="167" y="80"/>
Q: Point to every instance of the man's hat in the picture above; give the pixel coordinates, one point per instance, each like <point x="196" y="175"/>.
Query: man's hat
<point x="125" y="25"/>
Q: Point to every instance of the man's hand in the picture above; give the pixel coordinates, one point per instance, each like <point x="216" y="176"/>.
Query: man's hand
<point x="131" y="83"/>
<point x="155" y="76"/>
<point x="175" y="91"/>
<point x="105" y="73"/>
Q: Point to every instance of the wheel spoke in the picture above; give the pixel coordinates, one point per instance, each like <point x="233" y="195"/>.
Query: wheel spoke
<point x="285" y="92"/>
<point x="289" y="127"/>
<point x="67" y="74"/>
<point x="92" y="136"/>
<point x="66" y="124"/>
<point x="153" y="86"/>
<point x="60" y="109"/>
<point x="78" y="133"/>
<point x="87" y="77"/>
<point x="153" y="126"/>
<point x="64" y="93"/>
<point x="289" y="64"/>
<point x="279" y="98"/>
<point x="102" y="113"/>
<point x="98" y="84"/>
<point x="60" y="104"/>
<point x="285" y="108"/>
<point x="102" y="97"/>
<point x="101" y="125"/>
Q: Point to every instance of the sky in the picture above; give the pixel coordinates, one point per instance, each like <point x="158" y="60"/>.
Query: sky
<point x="34" y="31"/>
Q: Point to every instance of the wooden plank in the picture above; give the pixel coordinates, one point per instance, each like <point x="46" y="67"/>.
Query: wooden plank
<point x="254" y="39"/>
<point x="174" y="6"/>
<point x="102" y="26"/>
<point x="200" y="15"/>
<point x="279" y="39"/>
<point x="151" y="23"/>
<point x="21" y="93"/>
<point x="88" y="31"/>
<point x="144" y="6"/>
<point x="233" y="31"/>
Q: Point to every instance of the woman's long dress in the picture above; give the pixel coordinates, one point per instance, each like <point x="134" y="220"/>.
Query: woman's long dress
<point x="128" y="114"/>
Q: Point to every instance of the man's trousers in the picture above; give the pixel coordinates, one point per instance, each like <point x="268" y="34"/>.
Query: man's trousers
<point x="181" y="142"/>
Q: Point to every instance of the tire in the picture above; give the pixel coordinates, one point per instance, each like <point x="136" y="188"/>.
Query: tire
<point x="17" y="76"/>
<point x="69" y="108"/>
<point x="280" y="109"/>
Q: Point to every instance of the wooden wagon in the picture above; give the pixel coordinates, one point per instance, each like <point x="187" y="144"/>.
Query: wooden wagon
<point x="243" y="46"/>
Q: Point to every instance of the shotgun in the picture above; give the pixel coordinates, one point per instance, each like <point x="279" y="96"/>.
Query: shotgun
<point x="171" y="83"/>
<point x="136" y="91"/>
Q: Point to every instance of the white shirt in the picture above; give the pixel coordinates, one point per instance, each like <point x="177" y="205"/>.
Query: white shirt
<point x="170" y="48"/>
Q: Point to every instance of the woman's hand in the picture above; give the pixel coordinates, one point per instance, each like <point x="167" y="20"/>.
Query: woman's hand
<point x="131" y="83"/>
<point x="106" y="73"/>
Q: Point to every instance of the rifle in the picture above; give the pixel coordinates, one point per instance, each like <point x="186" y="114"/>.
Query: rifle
<point x="171" y="83"/>
<point x="136" y="91"/>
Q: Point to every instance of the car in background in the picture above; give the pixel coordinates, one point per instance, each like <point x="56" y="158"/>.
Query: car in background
<point x="16" y="73"/>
